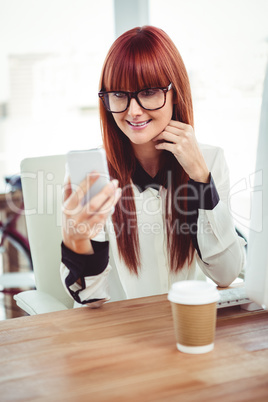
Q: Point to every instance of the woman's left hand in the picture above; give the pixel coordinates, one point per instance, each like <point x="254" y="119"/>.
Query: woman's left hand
<point x="179" y="138"/>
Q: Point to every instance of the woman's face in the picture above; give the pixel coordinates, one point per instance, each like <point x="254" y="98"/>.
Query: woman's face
<point x="141" y="125"/>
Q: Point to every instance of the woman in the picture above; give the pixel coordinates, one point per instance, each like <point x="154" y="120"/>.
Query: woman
<point x="169" y="194"/>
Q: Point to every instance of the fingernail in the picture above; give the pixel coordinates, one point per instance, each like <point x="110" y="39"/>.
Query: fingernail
<point x="92" y="174"/>
<point x="118" y="192"/>
<point x="115" y="182"/>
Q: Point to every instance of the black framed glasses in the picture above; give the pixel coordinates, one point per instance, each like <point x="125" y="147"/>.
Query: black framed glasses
<point x="148" y="99"/>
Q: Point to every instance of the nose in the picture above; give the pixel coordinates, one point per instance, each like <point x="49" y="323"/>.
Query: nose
<point x="134" y="108"/>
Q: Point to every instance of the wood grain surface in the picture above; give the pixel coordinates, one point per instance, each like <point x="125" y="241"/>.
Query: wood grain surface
<point x="125" y="351"/>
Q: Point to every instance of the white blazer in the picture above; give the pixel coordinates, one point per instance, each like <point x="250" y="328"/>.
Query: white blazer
<point x="221" y="248"/>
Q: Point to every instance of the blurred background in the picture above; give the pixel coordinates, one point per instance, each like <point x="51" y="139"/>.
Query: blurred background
<point x="52" y="51"/>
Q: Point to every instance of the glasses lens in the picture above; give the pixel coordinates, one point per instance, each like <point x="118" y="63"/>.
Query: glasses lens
<point x="116" y="101"/>
<point x="152" y="98"/>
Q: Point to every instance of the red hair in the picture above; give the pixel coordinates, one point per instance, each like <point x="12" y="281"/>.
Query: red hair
<point x="143" y="58"/>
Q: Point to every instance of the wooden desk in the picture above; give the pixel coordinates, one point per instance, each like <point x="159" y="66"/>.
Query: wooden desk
<point x="126" y="351"/>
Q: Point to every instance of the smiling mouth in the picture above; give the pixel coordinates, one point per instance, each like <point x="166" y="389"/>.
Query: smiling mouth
<point x="141" y="124"/>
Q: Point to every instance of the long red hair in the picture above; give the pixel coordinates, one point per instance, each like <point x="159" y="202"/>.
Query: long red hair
<point x="143" y="58"/>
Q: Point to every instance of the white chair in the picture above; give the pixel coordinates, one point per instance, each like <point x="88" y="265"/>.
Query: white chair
<point x="42" y="180"/>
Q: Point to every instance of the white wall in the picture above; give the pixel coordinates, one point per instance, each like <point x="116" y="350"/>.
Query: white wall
<point x="75" y="31"/>
<point x="47" y="26"/>
<point x="224" y="46"/>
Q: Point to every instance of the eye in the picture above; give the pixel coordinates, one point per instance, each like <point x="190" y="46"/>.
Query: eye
<point x="119" y="95"/>
<point x="149" y="92"/>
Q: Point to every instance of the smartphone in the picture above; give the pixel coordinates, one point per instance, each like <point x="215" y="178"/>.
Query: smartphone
<point x="80" y="163"/>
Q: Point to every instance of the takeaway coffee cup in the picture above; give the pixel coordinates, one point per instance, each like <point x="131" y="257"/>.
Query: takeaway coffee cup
<point x="194" y="312"/>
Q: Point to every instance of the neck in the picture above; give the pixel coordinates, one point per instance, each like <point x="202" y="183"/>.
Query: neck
<point x="148" y="157"/>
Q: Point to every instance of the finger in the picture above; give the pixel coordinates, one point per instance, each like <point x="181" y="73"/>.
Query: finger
<point x="108" y="206"/>
<point x="170" y="129"/>
<point x="80" y="190"/>
<point x="178" y="124"/>
<point x="107" y="194"/>
<point x="166" y="136"/>
<point x="88" y="227"/>
<point x="175" y="130"/>
<point x="166" y="146"/>
<point x="100" y="216"/>
<point x="67" y="188"/>
<point x="85" y="185"/>
<point x="73" y="203"/>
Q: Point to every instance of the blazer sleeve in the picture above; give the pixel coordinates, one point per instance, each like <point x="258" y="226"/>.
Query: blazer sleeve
<point x="220" y="251"/>
<point x="92" y="270"/>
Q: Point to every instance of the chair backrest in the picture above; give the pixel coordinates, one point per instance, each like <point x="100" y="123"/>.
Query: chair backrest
<point x="42" y="182"/>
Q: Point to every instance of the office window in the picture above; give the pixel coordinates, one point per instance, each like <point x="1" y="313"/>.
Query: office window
<point x="51" y="54"/>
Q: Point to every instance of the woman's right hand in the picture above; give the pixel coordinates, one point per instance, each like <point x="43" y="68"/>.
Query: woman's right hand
<point x="81" y="223"/>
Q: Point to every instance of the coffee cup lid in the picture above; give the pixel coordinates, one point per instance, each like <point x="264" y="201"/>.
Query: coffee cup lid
<point x="193" y="292"/>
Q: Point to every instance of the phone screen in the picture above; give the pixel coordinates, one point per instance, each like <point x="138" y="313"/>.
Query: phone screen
<point x="80" y="163"/>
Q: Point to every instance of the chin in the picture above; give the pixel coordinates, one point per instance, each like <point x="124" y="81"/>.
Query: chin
<point x="141" y="142"/>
